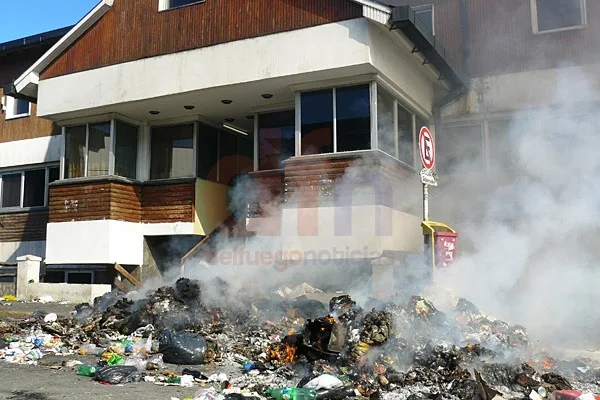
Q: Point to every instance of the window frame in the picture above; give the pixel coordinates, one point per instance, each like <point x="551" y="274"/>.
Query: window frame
<point x="333" y="88"/>
<point x="165" y="5"/>
<point x="112" y="121"/>
<point x="22" y="171"/>
<point x="535" y="22"/>
<point x="427" y="7"/>
<point x="9" y="104"/>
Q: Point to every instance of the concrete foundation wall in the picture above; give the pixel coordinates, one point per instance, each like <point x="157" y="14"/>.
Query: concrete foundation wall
<point x="75" y="293"/>
<point x="8" y="288"/>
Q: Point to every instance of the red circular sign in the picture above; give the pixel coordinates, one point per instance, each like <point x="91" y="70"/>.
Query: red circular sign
<point x="426" y="148"/>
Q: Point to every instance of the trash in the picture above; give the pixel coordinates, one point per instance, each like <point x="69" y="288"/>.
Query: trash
<point x="208" y="394"/>
<point x="118" y="374"/>
<point x="8" y="297"/>
<point x="46" y="299"/>
<point x="182" y="347"/>
<point x="187" y="381"/>
<point x="324" y="381"/>
<point x="86" y="370"/>
<point x="115" y="359"/>
<point x="291" y="393"/>
<point x="196" y="374"/>
<point x="52" y="317"/>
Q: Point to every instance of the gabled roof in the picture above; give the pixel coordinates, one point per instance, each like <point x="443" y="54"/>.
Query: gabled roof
<point x="40" y="39"/>
<point x="27" y="83"/>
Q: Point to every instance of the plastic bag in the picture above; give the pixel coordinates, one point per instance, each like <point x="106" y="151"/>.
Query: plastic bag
<point x="182" y="347"/>
<point x="118" y="374"/>
<point x="324" y="381"/>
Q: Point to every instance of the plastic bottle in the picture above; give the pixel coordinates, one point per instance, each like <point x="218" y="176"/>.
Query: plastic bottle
<point x="249" y="365"/>
<point x="86" y="370"/>
<point x="115" y="359"/>
<point x="292" y="393"/>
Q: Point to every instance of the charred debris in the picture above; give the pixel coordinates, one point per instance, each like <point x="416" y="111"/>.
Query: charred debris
<point x="391" y="350"/>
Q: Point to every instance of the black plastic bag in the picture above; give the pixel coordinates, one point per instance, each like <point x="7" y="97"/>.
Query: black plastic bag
<point x="182" y="347"/>
<point x="116" y="374"/>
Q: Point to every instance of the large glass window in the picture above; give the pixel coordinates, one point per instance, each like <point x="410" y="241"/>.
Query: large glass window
<point x="11" y="190"/>
<point x="26" y="188"/>
<point x="405" y="136"/>
<point x="35" y="188"/>
<point x="98" y="149"/>
<point x="353" y="118"/>
<point x="75" y="141"/>
<point x="394" y="128"/>
<point x="276" y="139"/>
<point x="208" y="152"/>
<point x="126" y="147"/>
<point x="317" y="122"/>
<point x="172" y="151"/>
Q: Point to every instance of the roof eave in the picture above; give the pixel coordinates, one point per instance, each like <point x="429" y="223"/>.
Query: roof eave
<point x="27" y="83"/>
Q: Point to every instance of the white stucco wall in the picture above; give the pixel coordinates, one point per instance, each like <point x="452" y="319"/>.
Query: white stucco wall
<point x="324" y="47"/>
<point x="104" y="242"/>
<point x="30" y="151"/>
<point x="9" y="251"/>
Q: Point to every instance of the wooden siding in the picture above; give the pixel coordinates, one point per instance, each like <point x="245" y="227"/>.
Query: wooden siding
<point x="315" y="181"/>
<point x="152" y="203"/>
<point x="25" y="128"/>
<point x="501" y="38"/>
<point x="135" y="29"/>
<point x="173" y="202"/>
<point x="265" y="189"/>
<point x="24" y="226"/>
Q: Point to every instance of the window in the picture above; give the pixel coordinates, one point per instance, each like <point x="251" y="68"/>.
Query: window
<point x="335" y="120"/>
<point x="126" y="147"/>
<point x="208" y="152"/>
<point x="16" y="108"/>
<point x="276" y="139"/>
<point x="26" y="188"/>
<point x="168" y="4"/>
<point x="553" y="15"/>
<point x="459" y="149"/>
<point x="11" y="190"/>
<point x="394" y="128"/>
<point x="88" y="150"/>
<point x="503" y="152"/>
<point x="425" y="16"/>
<point x="172" y="152"/>
<point x="353" y="118"/>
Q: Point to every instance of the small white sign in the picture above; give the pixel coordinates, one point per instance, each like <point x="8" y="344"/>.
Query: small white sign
<point x="428" y="177"/>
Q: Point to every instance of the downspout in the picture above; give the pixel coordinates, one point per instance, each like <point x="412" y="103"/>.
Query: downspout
<point x="465" y="34"/>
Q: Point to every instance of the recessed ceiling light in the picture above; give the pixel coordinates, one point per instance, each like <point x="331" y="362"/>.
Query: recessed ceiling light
<point x="153" y="112"/>
<point x="267" y="96"/>
<point x="189" y="107"/>
<point x="226" y="101"/>
<point x="229" y="119"/>
<point x="249" y="116"/>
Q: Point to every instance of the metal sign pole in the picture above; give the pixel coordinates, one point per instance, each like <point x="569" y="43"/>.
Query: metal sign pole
<point x="425" y="202"/>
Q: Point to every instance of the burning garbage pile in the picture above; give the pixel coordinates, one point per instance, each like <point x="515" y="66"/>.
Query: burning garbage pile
<point x="296" y="348"/>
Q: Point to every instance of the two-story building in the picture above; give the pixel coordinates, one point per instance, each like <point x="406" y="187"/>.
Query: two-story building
<point x="166" y="108"/>
<point x="29" y="153"/>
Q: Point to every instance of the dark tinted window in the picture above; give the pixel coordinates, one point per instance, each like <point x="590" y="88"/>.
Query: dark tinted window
<point x="276" y="139"/>
<point x="35" y="188"/>
<point x="11" y="190"/>
<point x="557" y="14"/>
<point x="405" y="136"/>
<point x="172" y="152"/>
<point x="179" y="3"/>
<point x="98" y="149"/>
<point x="353" y="108"/>
<point x="126" y="143"/>
<point x="208" y="152"/>
<point x="228" y="156"/>
<point x="317" y="122"/>
<point x="74" y="151"/>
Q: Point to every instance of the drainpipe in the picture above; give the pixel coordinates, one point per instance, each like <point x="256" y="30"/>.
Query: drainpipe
<point x="465" y="34"/>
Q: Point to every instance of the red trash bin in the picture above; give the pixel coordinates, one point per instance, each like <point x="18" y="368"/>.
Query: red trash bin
<point x="445" y="248"/>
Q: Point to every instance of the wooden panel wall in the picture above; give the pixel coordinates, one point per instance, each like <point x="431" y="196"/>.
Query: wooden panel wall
<point x="168" y="202"/>
<point x="265" y="188"/>
<point x="89" y="201"/>
<point x="135" y="29"/>
<point x="25" y="128"/>
<point x="23" y="227"/>
<point x="308" y="182"/>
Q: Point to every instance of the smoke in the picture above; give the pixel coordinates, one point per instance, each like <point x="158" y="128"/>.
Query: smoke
<point x="531" y="222"/>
